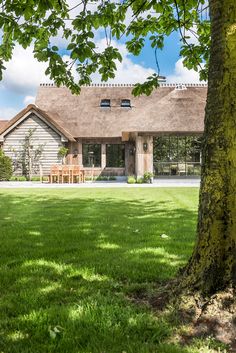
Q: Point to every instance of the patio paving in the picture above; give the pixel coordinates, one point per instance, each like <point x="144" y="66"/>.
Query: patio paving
<point x="102" y="184"/>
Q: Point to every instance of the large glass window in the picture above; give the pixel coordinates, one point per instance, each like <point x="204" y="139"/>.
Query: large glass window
<point x="91" y="155"/>
<point x="115" y="156"/>
<point x="177" y="155"/>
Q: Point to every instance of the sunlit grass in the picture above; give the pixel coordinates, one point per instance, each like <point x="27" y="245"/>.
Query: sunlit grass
<point x="72" y="260"/>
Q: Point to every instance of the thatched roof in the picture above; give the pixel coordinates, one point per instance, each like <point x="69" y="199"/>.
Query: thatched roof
<point x="3" y="123"/>
<point x="167" y="109"/>
<point x="31" y="108"/>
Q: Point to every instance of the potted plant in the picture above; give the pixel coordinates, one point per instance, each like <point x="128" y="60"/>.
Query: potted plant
<point x="62" y="153"/>
<point x="148" y="177"/>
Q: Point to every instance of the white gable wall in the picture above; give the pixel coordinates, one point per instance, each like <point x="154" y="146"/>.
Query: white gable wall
<point x="43" y="135"/>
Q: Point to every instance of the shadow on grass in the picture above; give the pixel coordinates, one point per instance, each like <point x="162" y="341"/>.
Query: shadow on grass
<point x="68" y="266"/>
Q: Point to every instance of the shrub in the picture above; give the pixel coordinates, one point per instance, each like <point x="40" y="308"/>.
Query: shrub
<point x="6" y="169"/>
<point x="147" y="177"/>
<point x="131" y="180"/>
<point x="35" y="178"/>
<point x="18" y="178"/>
<point x="112" y="177"/>
<point x="104" y="178"/>
<point x="13" y="178"/>
<point x="140" y="181"/>
<point x="22" y="178"/>
<point x="88" y="178"/>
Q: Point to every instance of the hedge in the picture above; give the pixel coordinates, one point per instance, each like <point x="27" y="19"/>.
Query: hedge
<point x="6" y="169"/>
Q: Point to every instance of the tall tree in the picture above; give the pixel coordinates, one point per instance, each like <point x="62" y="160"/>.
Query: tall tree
<point x="212" y="265"/>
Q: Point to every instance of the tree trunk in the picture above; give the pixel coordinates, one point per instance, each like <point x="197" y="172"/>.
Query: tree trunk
<point x="213" y="264"/>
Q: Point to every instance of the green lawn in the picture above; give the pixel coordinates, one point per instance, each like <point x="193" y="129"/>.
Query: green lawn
<point x="72" y="260"/>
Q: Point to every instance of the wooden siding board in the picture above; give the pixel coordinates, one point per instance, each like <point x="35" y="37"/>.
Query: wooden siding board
<point x="43" y="135"/>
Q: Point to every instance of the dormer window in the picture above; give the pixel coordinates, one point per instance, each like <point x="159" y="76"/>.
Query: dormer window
<point x="125" y="103"/>
<point x="105" y="103"/>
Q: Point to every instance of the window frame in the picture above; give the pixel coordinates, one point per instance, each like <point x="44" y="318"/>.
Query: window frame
<point x="123" y="103"/>
<point x="177" y="154"/>
<point x="105" y="103"/>
<point x="85" y="157"/>
<point x="121" y="152"/>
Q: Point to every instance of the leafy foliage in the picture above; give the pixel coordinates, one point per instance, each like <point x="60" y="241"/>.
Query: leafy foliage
<point x="63" y="151"/>
<point x="36" y="23"/>
<point x="131" y="179"/>
<point x="5" y="167"/>
<point x="147" y="177"/>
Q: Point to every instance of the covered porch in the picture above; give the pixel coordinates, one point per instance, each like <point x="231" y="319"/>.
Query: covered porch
<point x="102" y="157"/>
<point x="163" y="154"/>
<point x="166" y="154"/>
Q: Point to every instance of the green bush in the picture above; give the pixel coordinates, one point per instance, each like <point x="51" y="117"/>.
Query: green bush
<point x="89" y="178"/>
<point x="18" y="178"/>
<point x="105" y="178"/>
<point x="147" y="177"/>
<point x="63" y="151"/>
<point x="140" y="181"/>
<point x="131" y="180"/>
<point x="35" y="178"/>
<point x="22" y="178"/>
<point x="13" y="178"/>
<point x="6" y="169"/>
<point x="101" y="178"/>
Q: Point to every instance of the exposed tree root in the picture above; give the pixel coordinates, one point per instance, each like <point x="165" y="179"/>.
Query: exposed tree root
<point x="213" y="316"/>
<point x="202" y="317"/>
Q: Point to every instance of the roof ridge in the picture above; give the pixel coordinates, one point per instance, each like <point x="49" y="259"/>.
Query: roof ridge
<point x="162" y="84"/>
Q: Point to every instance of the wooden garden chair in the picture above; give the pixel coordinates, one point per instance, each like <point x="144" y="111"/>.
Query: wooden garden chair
<point x="65" y="173"/>
<point x="76" y="174"/>
<point x="54" y="173"/>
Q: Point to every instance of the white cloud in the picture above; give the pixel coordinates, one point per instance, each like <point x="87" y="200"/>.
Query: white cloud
<point x="192" y="35"/>
<point x="182" y="74"/>
<point x="29" y="100"/>
<point x="127" y="71"/>
<point x="7" y="113"/>
<point x="23" y="73"/>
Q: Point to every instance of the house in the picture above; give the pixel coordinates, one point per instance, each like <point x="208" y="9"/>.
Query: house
<point x="108" y="131"/>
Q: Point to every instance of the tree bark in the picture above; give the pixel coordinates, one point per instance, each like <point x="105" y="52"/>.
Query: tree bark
<point x="212" y="266"/>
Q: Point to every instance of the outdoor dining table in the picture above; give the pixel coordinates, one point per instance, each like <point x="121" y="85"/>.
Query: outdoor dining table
<point x="60" y="172"/>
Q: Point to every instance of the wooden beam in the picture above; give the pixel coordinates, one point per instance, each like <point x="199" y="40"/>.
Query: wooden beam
<point x="125" y="136"/>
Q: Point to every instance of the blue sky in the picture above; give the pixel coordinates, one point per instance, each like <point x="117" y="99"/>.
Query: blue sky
<point x="24" y="73"/>
<point x="166" y="57"/>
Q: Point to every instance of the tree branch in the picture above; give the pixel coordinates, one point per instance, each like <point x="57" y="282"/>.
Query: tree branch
<point x="181" y="33"/>
<point x="74" y="7"/>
